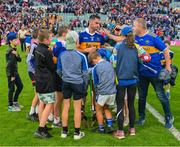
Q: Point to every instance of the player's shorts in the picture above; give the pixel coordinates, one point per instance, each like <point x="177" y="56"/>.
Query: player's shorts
<point x="75" y="90"/>
<point x="106" y="99"/>
<point x="47" y="98"/>
<point x="57" y="83"/>
<point x="32" y="77"/>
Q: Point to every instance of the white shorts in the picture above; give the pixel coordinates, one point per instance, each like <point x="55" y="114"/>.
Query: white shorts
<point x="28" y="44"/>
<point x="106" y="99"/>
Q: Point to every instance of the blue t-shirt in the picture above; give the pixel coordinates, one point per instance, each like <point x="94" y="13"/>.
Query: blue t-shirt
<point x="153" y="45"/>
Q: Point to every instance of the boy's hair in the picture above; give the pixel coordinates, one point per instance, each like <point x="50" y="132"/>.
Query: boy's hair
<point x="35" y="33"/>
<point x="93" y="55"/>
<point x="43" y="34"/>
<point x="168" y="42"/>
<point x="62" y="29"/>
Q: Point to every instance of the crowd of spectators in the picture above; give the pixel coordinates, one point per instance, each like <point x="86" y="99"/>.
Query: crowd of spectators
<point x="162" y="19"/>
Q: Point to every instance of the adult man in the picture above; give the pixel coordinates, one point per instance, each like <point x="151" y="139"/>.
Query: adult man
<point x="153" y="45"/>
<point x="21" y="35"/>
<point x="90" y="40"/>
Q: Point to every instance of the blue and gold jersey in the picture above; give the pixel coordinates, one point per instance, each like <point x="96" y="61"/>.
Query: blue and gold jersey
<point x="153" y="45"/>
<point x="87" y="40"/>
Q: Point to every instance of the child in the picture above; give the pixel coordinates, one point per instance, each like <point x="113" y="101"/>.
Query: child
<point x="105" y="88"/>
<point x="167" y="86"/>
<point x="44" y="75"/>
<point x="73" y="67"/>
<point x="58" y="48"/>
<point x="33" y="114"/>
<point x="127" y="75"/>
<point x="12" y="57"/>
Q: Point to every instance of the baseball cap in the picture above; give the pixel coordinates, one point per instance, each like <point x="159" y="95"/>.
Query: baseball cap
<point x="71" y="38"/>
<point x="125" y="30"/>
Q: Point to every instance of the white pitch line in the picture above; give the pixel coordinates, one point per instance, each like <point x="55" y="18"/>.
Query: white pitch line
<point x="161" y="119"/>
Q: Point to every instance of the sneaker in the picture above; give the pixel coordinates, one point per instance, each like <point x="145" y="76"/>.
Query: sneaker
<point x="13" y="109"/>
<point x="16" y="104"/>
<point x="50" y="118"/>
<point x="109" y="130"/>
<point x="126" y="121"/>
<point x="97" y="130"/>
<point x="32" y="117"/>
<point x="169" y="122"/>
<point x="56" y="125"/>
<point x="42" y="134"/>
<point x="141" y="122"/>
<point x="119" y="134"/>
<point x="132" y="132"/>
<point x="64" y="134"/>
<point x="79" y="136"/>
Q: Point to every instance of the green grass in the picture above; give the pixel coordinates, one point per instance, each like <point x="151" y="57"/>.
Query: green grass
<point x="15" y="129"/>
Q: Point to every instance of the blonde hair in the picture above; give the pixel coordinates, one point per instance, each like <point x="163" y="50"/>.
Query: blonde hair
<point x="142" y="22"/>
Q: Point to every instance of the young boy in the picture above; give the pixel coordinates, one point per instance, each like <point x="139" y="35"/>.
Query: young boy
<point x="58" y="48"/>
<point x="73" y="67"/>
<point x="44" y="76"/>
<point x="33" y="114"/>
<point x="105" y="87"/>
<point x="12" y="57"/>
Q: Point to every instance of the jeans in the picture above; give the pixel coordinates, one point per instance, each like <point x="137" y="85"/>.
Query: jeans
<point x="13" y="97"/>
<point x="131" y="92"/>
<point x="23" y="45"/>
<point x="160" y="92"/>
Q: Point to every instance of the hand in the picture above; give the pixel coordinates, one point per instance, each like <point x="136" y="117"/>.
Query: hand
<point x="104" y="31"/>
<point x="12" y="78"/>
<point x="168" y="68"/>
<point x="15" y="53"/>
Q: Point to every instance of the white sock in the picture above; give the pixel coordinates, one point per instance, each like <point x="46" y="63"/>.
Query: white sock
<point x="37" y="109"/>
<point x="32" y="110"/>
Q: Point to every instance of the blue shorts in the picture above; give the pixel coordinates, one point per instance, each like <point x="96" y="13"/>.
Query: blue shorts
<point x="75" y="90"/>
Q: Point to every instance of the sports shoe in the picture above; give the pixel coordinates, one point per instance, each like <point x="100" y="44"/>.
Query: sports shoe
<point x="119" y="134"/>
<point x="132" y="131"/>
<point x="13" y="109"/>
<point x="56" y="125"/>
<point x="78" y="136"/>
<point x="169" y="122"/>
<point x="50" y="118"/>
<point x="16" y="104"/>
<point x="109" y="130"/>
<point x="97" y="130"/>
<point x="32" y="117"/>
<point x="141" y="122"/>
<point x="64" y="134"/>
<point x="42" y="134"/>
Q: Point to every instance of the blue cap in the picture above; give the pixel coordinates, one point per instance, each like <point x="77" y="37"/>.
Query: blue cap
<point x="126" y="30"/>
<point x="11" y="36"/>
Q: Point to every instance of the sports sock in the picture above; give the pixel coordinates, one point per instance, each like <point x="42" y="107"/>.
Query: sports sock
<point x="32" y="110"/>
<point x="56" y="120"/>
<point x="65" y="129"/>
<point x="101" y="127"/>
<point x="36" y="109"/>
<point x="109" y="122"/>
<point x="77" y="131"/>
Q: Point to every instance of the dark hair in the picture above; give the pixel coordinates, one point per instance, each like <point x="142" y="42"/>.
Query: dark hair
<point x="130" y="40"/>
<point x="62" y="29"/>
<point x="43" y="34"/>
<point x="94" y="16"/>
<point x="93" y="55"/>
<point x="35" y="33"/>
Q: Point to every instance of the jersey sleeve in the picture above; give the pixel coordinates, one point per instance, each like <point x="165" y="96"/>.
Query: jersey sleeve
<point x="95" y="76"/>
<point x="159" y="44"/>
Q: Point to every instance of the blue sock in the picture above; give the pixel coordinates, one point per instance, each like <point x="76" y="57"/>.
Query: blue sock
<point x="101" y="127"/>
<point x="109" y="122"/>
